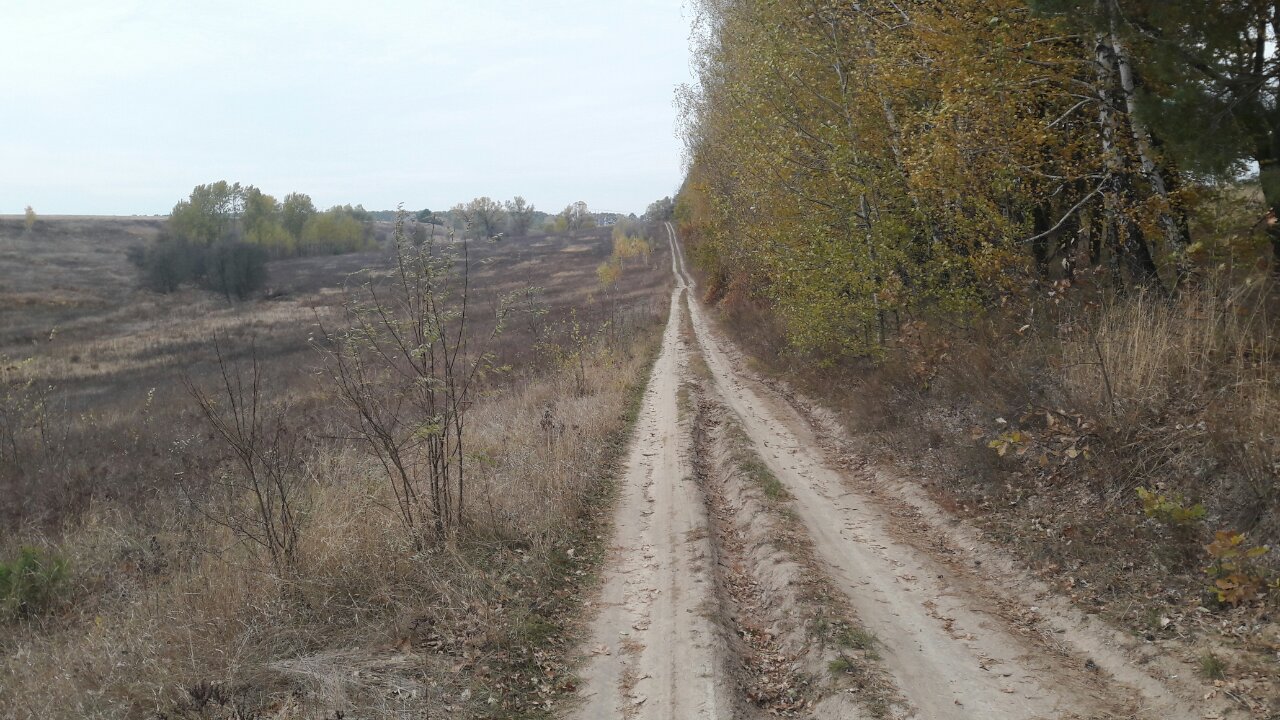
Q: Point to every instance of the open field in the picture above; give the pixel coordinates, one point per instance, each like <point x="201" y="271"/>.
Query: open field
<point x="73" y="322"/>
<point x="163" y="608"/>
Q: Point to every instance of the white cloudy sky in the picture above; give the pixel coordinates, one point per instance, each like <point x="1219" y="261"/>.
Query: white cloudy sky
<point x="122" y="107"/>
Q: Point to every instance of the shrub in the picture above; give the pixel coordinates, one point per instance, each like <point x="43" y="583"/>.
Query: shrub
<point x="166" y="264"/>
<point x="31" y="584"/>
<point x="1172" y="510"/>
<point x="333" y="232"/>
<point x="1237" y="578"/>
<point x="235" y="269"/>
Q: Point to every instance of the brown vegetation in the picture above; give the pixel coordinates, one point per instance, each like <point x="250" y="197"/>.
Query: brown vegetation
<point x="170" y="605"/>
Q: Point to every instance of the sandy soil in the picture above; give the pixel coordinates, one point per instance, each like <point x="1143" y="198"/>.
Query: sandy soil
<point x="655" y="650"/>
<point x="961" y="631"/>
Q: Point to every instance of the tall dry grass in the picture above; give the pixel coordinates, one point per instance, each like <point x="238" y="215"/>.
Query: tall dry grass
<point x="1189" y="388"/>
<point x="185" y="620"/>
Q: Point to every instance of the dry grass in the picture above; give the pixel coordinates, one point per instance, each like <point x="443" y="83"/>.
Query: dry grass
<point x="195" y="606"/>
<point x="1190" y="386"/>
<point x="167" y="612"/>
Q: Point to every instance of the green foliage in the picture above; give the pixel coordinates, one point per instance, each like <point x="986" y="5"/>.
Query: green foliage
<point x="483" y="217"/>
<point x="576" y="216"/>
<point x="762" y="476"/>
<point x="858" y="165"/>
<point x="519" y="214"/>
<point x="29" y="219"/>
<point x="258" y="209"/>
<point x="859" y="639"/>
<point x="1009" y="440"/>
<point x="209" y="214"/>
<point x="629" y="244"/>
<point x="1212" y="667"/>
<point x="232" y="268"/>
<point x="223" y="234"/>
<point x="1171" y="510"/>
<point x="335" y="231"/>
<point x="660" y="211"/>
<point x="296" y="209"/>
<point x="273" y="238"/>
<point x="31" y="584"/>
<point x="220" y="212"/>
<point x="23" y="413"/>
<point x="609" y="273"/>
<point x="573" y="349"/>
<point x="1205" y="90"/>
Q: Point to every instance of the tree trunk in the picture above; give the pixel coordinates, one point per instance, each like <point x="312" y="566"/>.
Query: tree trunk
<point x="1174" y="232"/>
<point x="1267" y="153"/>
<point x="1126" y="236"/>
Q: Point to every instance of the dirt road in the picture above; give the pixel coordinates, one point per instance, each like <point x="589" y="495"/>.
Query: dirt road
<point x="960" y="631"/>
<point x="655" y="651"/>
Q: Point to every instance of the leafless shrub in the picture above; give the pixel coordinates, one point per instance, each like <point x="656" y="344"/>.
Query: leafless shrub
<point x="406" y="367"/>
<point x="268" y="458"/>
<point x="23" y="415"/>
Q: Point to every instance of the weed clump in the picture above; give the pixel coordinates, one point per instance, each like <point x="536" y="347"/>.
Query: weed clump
<point x="31" y="584"/>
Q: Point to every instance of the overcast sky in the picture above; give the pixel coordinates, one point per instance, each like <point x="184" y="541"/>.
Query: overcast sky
<point x="122" y="107"/>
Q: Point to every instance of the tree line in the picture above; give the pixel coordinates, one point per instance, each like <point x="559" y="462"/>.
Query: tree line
<point x="223" y="234"/>
<point x="485" y="218"/>
<point x="855" y="162"/>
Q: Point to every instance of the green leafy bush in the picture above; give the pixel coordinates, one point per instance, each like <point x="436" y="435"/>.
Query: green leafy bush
<point x="1172" y="510"/>
<point x="31" y="584"/>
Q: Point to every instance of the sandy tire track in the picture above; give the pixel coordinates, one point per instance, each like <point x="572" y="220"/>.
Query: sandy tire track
<point x="655" y="650"/>
<point x="949" y="654"/>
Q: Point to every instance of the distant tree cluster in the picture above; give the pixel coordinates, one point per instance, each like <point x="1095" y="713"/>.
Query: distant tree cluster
<point x="222" y="236"/>
<point x="660" y="210"/>
<point x="485" y="217"/>
<point x="576" y="216"/>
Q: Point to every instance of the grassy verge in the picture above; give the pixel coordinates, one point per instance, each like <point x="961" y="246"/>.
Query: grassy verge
<point x="536" y="655"/>
<point x="181" y="619"/>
